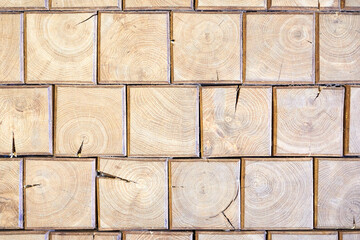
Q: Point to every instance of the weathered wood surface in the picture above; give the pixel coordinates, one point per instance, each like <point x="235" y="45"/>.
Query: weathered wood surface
<point x="22" y="235"/>
<point x="310" y="235"/>
<point x="133" y="194"/>
<point x="230" y="4"/>
<point x="277" y="193"/>
<point x="157" y="4"/>
<point x="230" y="235"/>
<point x="298" y="4"/>
<point x="337" y="193"/>
<point x="352" y="127"/>
<point x="134" y="48"/>
<point x="59" y="193"/>
<point x="23" y="4"/>
<point x="349" y="235"/>
<point x="351" y="4"/>
<point x="149" y="235"/>
<point x="85" y="4"/>
<point x="236" y="121"/>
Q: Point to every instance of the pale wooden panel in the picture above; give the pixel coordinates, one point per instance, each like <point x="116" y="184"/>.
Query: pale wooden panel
<point x="350" y="235"/>
<point x="60" y="193"/>
<point x="11" y="193"/>
<point x="308" y="122"/>
<point x="157" y="236"/>
<point x="352" y="3"/>
<point x="11" y="45"/>
<point x="230" y="4"/>
<point x="137" y="198"/>
<point x="22" y="235"/>
<point x="338" y="193"/>
<point x="278" y="193"/>
<point x="26" y="116"/>
<point x="107" y="236"/>
<point x="339" y="47"/>
<point x="279" y="48"/>
<point x="157" y="4"/>
<point x="206" y="47"/>
<point x="84" y="3"/>
<point x="205" y="194"/>
<point x="303" y="235"/>
<point x="305" y="3"/>
<point x="60" y="48"/>
<point x="353" y="122"/>
<point x="134" y="48"/>
<point x="71" y="236"/>
<point x="230" y="131"/>
<point x="163" y="121"/>
<point x="90" y="118"/>
<point x="23" y="4"/>
<point x="230" y="235"/>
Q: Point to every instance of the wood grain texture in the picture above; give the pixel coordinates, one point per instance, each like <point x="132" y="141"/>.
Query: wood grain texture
<point x="338" y="193"/>
<point x="204" y="194"/>
<point x="11" y="48"/>
<point x="157" y="235"/>
<point x="11" y="209"/>
<point x="26" y="117"/>
<point x="60" y="48"/>
<point x="230" y="131"/>
<point x="22" y="235"/>
<point x="308" y="122"/>
<point x="230" y="235"/>
<point x="279" y="48"/>
<point x="91" y="117"/>
<point x="278" y="193"/>
<point x="352" y="3"/>
<point x="310" y="235"/>
<point x="163" y="121"/>
<point x="134" y="48"/>
<point x="24" y="4"/>
<point x="84" y="4"/>
<point x="71" y="236"/>
<point x="137" y="199"/>
<point x="158" y="4"/>
<point x="289" y="4"/>
<point x="339" y="47"/>
<point x="206" y="47"/>
<point x="352" y="143"/>
<point x="350" y="235"/>
<point x="59" y="194"/>
<point x="230" y="4"/>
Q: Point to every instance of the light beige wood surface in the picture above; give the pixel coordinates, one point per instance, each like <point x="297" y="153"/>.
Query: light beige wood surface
<point x="134" y="48"/>
<point x="308" y="122"/>
<point x="352" y="135"/>
<point x="149" y="235"/>
<point x="339" y="47"/>
<point x="230" y="4"/>
<point x="310" y="235"/>
<point x="59" y="193"/>
<point x="349" y="235"/>
<point x="22" y="235"/>
<point x="352" y="3"/>
<point x="277" y="193"/>
<point x="85" y="3"/>
<point x="163" y="121"/>
<point x="287" y="4"/>
<point x="72" y="236"/>
<point x="11" y="208"/>
<point x="230" y="235"/>
<point x="26" y="4"/>
<point x="206" y="47"/>
<point x="204" y="194"/>
<point x="26" y="120"/>
<point x="338" y="193"/>
<point x="236" y="121"/>
<point x="134" y="195"/>
<point x="158" y="4"/>
<point x="60" y="48"/>
<point x="11" y="48"/>
<point x="90" y="118"/>
<point x="279" y="48"/>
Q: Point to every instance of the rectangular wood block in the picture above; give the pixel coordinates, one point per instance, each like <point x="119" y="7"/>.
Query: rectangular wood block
<point x="71" y="236"/>
<point x="157" y="4"/>
<point x="339" y="47"/>
<point x="133" y="194"/>
<point x="60" y="48"/>
<point x="279" y="48"/>
<point x="134" y="48"/>
<point x="308" y="121"/>
<point x="23" y="4"/>
<point x="59" y="193"/>
<point x="236" y="121"/>
<point x="352" y="134"/>
<point x="26" y="120"/>
<point x="310" y="235"/>
<point x="85" y="4"/>
<point x="22" y="235"/>
<point x="11" y="193"/>
<point x="90" y="119"/>
<point x="277" y="193"/>
<point x="352" y="4"/>
<point x="353" y="235"/>
<point x="163" y="121"/>
<point x="212" y="55"/>
<point x="298" y="4"/>
<point x="157" y="235"/>
<point x="230" y="235"/>
<point x="337" y="193"/>
<point x="11" y="47"/>
<point x="230" y="4"/>
<point x="205" y="194"/>
<point x="107" y="236"/>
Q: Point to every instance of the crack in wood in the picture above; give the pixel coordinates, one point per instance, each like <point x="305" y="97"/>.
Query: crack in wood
<point x="107" y="175"/>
